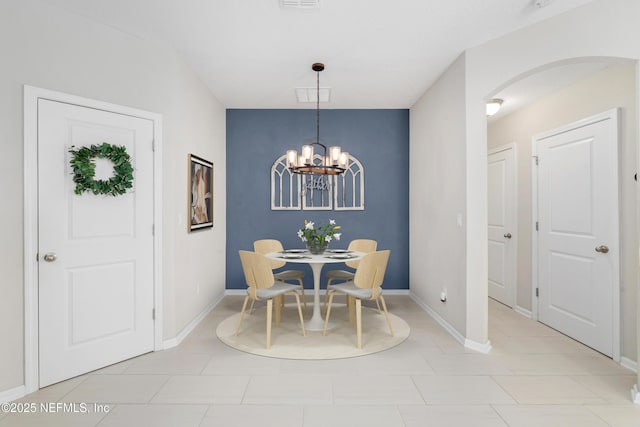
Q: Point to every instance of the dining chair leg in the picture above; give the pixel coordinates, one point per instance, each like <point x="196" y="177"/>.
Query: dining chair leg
<point x="386" y="313"/>
<point x="351" y="309"/>
<point x="378" y="304"/>
<point x="326" y="318"/>
<point x="359" y="321"/>
<point x="269" y="309"/>
<point x="279" y="299"/>
<point x="304" y="298"/>
<point x="304" y="332"/>
<point x="326" y="292"/>
<point x="251" y="308"/>
<point x="244" y="305"/>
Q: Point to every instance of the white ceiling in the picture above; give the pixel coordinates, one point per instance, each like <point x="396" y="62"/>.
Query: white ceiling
<point x="378" y="53"/>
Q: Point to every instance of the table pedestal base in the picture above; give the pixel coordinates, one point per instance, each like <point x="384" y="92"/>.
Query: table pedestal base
<point x="316" y="323"/>
<point x="317" y="326"/>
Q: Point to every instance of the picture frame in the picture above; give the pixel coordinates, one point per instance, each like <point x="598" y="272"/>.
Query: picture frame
<point x="200" y="191"/>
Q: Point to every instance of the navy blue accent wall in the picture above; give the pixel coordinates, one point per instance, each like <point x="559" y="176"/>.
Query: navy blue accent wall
<point x="378" y="138"/>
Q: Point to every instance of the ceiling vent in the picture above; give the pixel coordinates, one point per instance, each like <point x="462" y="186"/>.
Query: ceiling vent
<point x="300" y="4"/>
<point x="309" y="94"/>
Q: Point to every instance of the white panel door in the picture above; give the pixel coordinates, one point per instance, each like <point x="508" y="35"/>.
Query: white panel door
<point x="578" y="232"/>
<point x="502" y="221"/>
<point x="96" y="297"/>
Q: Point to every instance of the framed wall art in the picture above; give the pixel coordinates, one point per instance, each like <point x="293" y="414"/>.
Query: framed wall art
<point x="200" y="193"/>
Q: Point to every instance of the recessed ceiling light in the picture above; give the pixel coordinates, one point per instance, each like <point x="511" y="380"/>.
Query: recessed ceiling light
<point x="309" y="94"/>
<point x="300" y="4"/>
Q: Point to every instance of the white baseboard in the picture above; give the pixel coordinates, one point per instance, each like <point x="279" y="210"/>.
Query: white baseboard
<point x="629" y="364"/>
<point x="12" y="394"/>
<point x="479" y="347"/>
<point x="467" y="343"/>
<point x="236" y="292"/>
<point x="453" y="331"/>
<point x="174" y="342"/>
<point x="635" y="394"/>
<point x="524" y="312"/>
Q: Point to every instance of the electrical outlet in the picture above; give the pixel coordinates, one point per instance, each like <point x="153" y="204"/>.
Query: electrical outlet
<point x="443" y="295"/>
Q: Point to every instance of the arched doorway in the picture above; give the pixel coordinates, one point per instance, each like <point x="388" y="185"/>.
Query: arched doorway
<point x="543" y="99"/>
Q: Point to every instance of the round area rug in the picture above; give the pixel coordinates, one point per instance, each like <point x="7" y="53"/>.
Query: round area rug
<point x="287" y="341"/>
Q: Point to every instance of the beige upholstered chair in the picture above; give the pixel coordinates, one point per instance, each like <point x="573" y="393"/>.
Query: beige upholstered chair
<point x="262" y="285"/>
<point x="358" y="245"/>
<point x="266" y="246"/>
<point x="365" y="285"/>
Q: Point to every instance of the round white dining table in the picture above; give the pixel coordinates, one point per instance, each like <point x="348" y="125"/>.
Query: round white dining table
<point x="316" y="323"/>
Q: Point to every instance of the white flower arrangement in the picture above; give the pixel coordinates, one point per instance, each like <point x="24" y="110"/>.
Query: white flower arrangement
<point x="319" y="235"/>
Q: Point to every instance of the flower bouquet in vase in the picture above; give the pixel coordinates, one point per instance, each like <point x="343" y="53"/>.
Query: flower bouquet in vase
<point x="317" y="237"/>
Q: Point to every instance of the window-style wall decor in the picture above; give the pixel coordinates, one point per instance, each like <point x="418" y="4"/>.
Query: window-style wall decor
<point x="285" y="186"/>
<point x="343" y="192"/>
<point x="349" y="187"/>
<point x="316" y="190"/>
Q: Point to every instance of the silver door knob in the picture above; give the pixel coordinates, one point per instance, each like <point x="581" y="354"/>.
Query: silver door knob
<point x="50" y="257"/>
<point x="507" y="235"/>
<point x="602" y="249"/>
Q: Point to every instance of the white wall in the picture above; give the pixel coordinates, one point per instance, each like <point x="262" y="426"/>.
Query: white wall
<point x="198" y="258"/>
<point x="611" y="88"/>
<point x="437" y="196"/>
<point x="44" y="47"/>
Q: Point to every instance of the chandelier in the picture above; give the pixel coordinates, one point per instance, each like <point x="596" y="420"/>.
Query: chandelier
<point x="333" y="163"/>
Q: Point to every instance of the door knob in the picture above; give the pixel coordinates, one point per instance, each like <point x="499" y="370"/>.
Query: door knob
<point x="507" y="235"/>
<point x="50" y="257"/>
<point x="602" y="249"/>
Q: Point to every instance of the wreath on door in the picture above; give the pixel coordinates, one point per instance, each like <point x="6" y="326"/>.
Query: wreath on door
<point x="84" y="169"/>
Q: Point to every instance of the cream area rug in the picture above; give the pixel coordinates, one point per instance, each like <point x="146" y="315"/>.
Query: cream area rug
<point x="287" y="341"/>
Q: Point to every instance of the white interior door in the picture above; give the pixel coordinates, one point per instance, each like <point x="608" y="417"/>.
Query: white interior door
<point x="578" y="254"/>
<point x="96" y="297"/>
<point x="501" y="174"/>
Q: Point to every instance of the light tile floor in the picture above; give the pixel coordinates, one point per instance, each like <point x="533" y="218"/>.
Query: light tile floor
<point x="534" y="376"/>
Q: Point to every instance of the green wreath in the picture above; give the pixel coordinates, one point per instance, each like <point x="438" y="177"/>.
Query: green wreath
<point x="84" y="169"/>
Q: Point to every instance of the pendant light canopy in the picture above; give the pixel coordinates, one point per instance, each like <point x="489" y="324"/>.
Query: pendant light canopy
<point x="334" y="162"/>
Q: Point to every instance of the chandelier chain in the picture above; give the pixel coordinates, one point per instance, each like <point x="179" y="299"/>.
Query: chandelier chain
<point x="318" y="106"/>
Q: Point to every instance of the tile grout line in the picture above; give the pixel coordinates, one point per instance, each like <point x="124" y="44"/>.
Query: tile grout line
<point x="493" y="405"/>
<point x="418" y="390"/>
<point x="246" y="389"/>
<point x="150" y="402"/>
